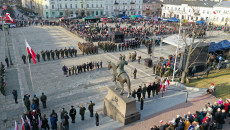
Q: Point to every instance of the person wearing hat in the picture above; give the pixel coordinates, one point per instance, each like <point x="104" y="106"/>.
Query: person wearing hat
<point x="90" y="108"/>
<point x="82" y="112"/>
<point x="72" y="114"/>
<point x="43" y="99"/>
<point x="144" y="91"/>
<point x="63" y="112"/>
<point x="36" y="100"/>
<point x="149" y="88"/>
<point x="211" y="89"/>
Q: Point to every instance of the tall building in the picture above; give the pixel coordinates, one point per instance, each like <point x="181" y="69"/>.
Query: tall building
<point x="122" y="7"/>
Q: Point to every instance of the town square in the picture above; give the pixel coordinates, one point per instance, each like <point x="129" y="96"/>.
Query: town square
<point x="114" y="64"/>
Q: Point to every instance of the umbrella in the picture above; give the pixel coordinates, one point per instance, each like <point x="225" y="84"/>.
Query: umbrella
<point x="200" y="22"/>
<point x="133" y="16"/>
<point x="139" y="16"/>
<point x="125" y="17"/>
<point x="173" y="19"/>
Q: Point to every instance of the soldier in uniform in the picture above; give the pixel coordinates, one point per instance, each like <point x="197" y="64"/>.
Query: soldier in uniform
<point x="144" y="91"/>
<point x="57" y="53"/>
<point x="97" y="119"/>
<point x="38" y="57"/>
<point x="154" y="67"/>
<point x="82" y="112"/>
<point x="27" y="102"/>
<point x="24" y="58"/>
<point x="36" y="100"/>
<point x="90" y="108"/>
<point x="43" y="99"/>
<point x="72" y="114"/>
<point x="134" y="73"/>
<point x="70" y="52"/>
<point x="52" y="54"/>
<point x="75" y="52"/>
<point x="62" y="53"/>
<point x="66" y="52"/>
<point x="48" y="55"/>
<point x="43" y="55"/>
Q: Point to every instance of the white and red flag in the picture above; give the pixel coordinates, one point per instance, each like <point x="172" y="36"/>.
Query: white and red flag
<point x="214" y="12"/>
<point x="23" y="122"/>
<point x="8" y="17"/>
<point x="31" y="52"/>
<point x="39" y="122"/>
<point x="166" y="84"/>
<point x="161" y="84"/>
<point x="16" y="125"/>
<point x="28" y="120"/>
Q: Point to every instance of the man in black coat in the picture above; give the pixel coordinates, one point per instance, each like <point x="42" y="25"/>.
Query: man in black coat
<point x="139" y="91"/>
<point x="72" y="114"/>
<point x="142" y="103"/>
<point x="222" y="119"/>
<point x="149" y="90"/>
<point x="154" y="87"/>
<point x="45" y="124"/>
<point x="217" y="117"/>
<point x="97" y="119"/>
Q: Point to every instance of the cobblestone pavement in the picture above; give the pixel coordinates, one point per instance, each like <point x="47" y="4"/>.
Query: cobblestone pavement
<point x="48" y="77"/>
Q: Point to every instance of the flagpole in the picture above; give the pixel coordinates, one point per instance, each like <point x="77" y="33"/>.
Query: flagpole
<point x="31" y="79"/>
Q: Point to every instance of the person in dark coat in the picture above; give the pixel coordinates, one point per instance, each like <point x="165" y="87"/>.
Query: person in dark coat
<point x="139" y="91"/>
<point x="149" y="90"/>
<point x="142" y="103"/>
<point x="144" y="91"/>
<point x="222" y="119"/>
<point x="7" y="61"/>
<point x="217" y="117"/>
<point x="97" y="119"/>
<point x="82" y="112"/>
<point x="90" y="108"/>
<point x="157" y="88"/>
<point x="36" y="100"/>
<point x="154" y="87"/>
<point x="45" y="124"/>
<point x="43" y="99"/>
<point x="15" y="94"/>
<point x="65" y="122"/>
<point x="72" y="114"/>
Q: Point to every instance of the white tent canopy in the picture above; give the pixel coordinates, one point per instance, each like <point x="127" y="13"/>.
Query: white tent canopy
<point x="174" y="40"/>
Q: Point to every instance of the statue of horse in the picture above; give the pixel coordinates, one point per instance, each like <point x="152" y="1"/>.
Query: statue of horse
<point x="122" y="78"/>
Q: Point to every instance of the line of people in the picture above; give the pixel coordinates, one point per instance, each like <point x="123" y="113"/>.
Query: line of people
<point x="89" y="66"/>
<point x="51" y="54"/>
<point x="33" y="119"/>
<point x="211" y="117"/>
<point x="2" y="78"/>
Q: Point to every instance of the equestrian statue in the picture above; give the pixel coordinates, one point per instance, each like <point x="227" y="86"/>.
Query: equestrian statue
<point x="120" y="75"/>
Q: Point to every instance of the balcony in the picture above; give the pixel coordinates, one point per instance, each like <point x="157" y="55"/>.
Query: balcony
<point x="132" y="2"/>
<point x="116" y="3"/>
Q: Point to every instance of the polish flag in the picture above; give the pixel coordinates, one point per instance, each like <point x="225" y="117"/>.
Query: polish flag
<point x="8" y="17"/>
<point x="23" y="122"/>
<point x="161" y="121"/>
<point x="166" y="84"/>
<point x="31" y="52"/>
<point x="161" y="84"/>
<point x="16" y="126"/>
<point x="214" y="12"/>
<point x="39" y="122"/>
<point x="28" y="120"/>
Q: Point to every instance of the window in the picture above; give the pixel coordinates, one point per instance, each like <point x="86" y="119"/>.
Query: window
<point x="96" y="12"/>
<point x="96" y="5"/>
<point x="87" y="5"/>
<point x="52" y="6"/>
<point x="222" y="19"/>
<point x="75" y="5"/>
<point x="46" y="6"/>
<point x="71" y="6"/>
<point x="203" y="11"/>
<point x="66" y="6"/>
<point x="60" y="6"/>
<point x="92" y="5"/>
<point x="82" y="6"/>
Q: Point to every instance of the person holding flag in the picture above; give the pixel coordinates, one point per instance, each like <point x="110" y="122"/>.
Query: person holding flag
<point x="16" y="126"/>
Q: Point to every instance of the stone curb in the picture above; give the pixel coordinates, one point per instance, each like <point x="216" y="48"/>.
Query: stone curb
<point x="184" y="87"/>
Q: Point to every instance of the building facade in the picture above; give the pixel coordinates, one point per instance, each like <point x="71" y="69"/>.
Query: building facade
<point x="122" y="7"/>
<point x="152" y="8"/>
<point x="209" y="11"/>
<point x="72" y="8"/>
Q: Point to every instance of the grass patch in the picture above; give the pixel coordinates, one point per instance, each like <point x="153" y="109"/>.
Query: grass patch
<point x="221" y="80"/>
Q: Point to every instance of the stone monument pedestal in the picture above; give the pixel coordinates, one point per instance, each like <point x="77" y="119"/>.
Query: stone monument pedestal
<point x="120" y="108"/>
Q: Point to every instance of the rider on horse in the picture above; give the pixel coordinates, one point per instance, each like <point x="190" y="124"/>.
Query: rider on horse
<point x="120" y="68"/>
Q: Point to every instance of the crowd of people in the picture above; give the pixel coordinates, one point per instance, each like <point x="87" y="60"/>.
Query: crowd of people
<point x="51" y="54"/>
<point x="2" y="79"/>
<point x="33" y="119"/>
<point x="211" y="117"/>
<point x="89" y="66"/>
